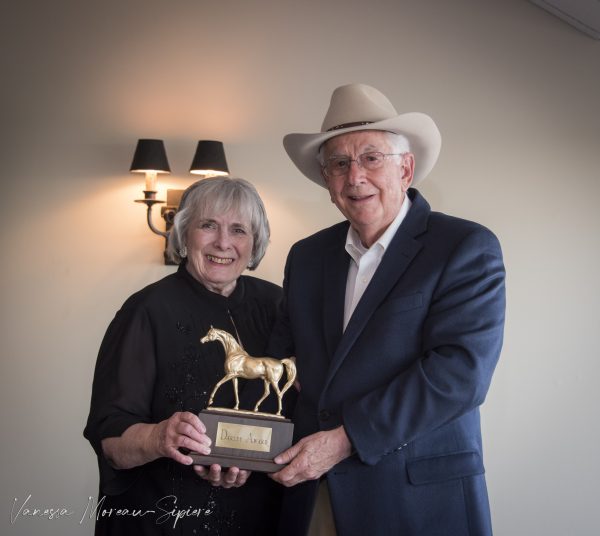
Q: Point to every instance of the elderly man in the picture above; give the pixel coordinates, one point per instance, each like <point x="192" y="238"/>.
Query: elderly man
<point x="396" y="319"/>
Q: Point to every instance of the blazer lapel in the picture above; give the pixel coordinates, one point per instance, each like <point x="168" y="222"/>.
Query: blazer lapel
<point x="398" y="256"/>
<point x="335" y="271"/>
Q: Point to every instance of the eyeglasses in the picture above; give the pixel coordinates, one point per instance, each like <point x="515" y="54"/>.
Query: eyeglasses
<point x="340" y="165"/>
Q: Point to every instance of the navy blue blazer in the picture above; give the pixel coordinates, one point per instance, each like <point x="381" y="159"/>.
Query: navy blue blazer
<point x="405" y="378"/>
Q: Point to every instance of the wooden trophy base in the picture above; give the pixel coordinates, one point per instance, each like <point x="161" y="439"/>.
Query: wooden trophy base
<point x="244" y="439"/>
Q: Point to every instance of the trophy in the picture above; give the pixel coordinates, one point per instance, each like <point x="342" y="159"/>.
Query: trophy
<point x="248" y="439"/>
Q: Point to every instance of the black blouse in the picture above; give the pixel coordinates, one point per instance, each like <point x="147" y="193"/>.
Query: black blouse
<point x="150" y="365"/>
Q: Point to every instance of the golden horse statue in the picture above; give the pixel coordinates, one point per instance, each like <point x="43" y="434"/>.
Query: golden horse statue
<point x="238" y="364"/>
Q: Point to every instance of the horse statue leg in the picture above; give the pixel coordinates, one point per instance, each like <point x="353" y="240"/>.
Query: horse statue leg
<point x="290" y="371"/>
<point x="235" y="391"/>
<point x="273" y="375"/>
<point x="226" y="378"/>
<point x="279" y="396"/>
<point x="265" y="395"/>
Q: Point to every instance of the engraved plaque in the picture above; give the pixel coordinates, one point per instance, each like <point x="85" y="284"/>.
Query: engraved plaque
<point x="242" y="436"/>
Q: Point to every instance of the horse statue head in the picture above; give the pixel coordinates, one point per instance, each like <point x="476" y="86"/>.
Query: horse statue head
<point x="212" y="335"/>
<point x="226" y="339"/>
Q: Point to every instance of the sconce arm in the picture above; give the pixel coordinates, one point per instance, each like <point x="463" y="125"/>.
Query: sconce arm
<point x="152" y="226"/>
<point x="149" y="203"/>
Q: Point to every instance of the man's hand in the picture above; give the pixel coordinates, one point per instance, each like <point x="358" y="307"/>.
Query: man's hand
<point x="312" y="456"/>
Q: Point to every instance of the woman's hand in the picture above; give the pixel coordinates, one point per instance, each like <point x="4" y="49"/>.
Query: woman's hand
<point x="142" y="443"/>
<point x="232" y="478"/>
<point x="181" y="430"/>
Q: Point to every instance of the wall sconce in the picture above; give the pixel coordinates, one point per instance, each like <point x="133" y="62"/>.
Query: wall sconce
<point x="150" y="158"/>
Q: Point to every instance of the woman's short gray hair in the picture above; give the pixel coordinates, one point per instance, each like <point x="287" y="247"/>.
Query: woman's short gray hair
<point x="219" y="195"/>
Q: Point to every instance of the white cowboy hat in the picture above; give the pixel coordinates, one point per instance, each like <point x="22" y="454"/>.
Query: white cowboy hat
<point x="360" y="107"/>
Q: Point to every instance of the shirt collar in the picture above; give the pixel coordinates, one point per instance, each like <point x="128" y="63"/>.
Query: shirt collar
<point x="354" y="246"/>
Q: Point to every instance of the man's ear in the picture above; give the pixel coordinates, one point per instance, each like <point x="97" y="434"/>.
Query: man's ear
<point x="326" y="181"/>
<point x="408" y="170"/>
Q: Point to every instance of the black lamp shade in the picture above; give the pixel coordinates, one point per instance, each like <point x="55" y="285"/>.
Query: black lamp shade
<point x="209" y="159"/>
<point x="150" y="155"/>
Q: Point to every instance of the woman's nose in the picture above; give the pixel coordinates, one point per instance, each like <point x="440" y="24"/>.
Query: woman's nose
<point x="222" y="239"/>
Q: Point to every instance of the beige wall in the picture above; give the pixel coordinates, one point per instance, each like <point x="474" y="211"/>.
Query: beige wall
<point x="515" y="93"/>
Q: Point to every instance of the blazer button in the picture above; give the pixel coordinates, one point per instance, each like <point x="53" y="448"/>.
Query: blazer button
<point x="324" y="415"/>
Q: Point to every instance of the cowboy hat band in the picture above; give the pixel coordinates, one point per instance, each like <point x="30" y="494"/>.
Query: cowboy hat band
<point x="355" y="107"/>
<point x="348" y="125"/>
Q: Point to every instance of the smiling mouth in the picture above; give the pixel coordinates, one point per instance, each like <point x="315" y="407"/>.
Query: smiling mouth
<point x="359" y="197"/>
<point x="219" y="260"/>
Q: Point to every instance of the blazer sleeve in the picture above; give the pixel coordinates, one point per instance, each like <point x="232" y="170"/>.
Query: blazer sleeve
<point x="461" y="340"/>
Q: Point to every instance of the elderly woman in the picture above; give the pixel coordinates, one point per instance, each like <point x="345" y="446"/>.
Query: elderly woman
<point x="153" y="376"/>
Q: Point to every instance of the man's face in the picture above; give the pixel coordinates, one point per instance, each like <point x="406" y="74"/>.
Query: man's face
<point x="370" y="199"/>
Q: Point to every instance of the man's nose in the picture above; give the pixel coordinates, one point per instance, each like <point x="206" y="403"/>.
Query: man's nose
<point x="356" y="173"/>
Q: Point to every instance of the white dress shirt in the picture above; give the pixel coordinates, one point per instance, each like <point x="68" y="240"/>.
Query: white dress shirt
<point x="365" y="261"/>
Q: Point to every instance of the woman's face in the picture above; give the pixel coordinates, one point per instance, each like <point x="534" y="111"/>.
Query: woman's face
<point x="219" y="248"/>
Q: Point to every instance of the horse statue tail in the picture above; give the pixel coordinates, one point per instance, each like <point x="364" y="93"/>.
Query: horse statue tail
<point x="290" y="371"/>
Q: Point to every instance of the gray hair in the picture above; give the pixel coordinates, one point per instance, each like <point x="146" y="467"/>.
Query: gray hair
<point x="398" y="144"/>
<point x="218" y="195"/>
